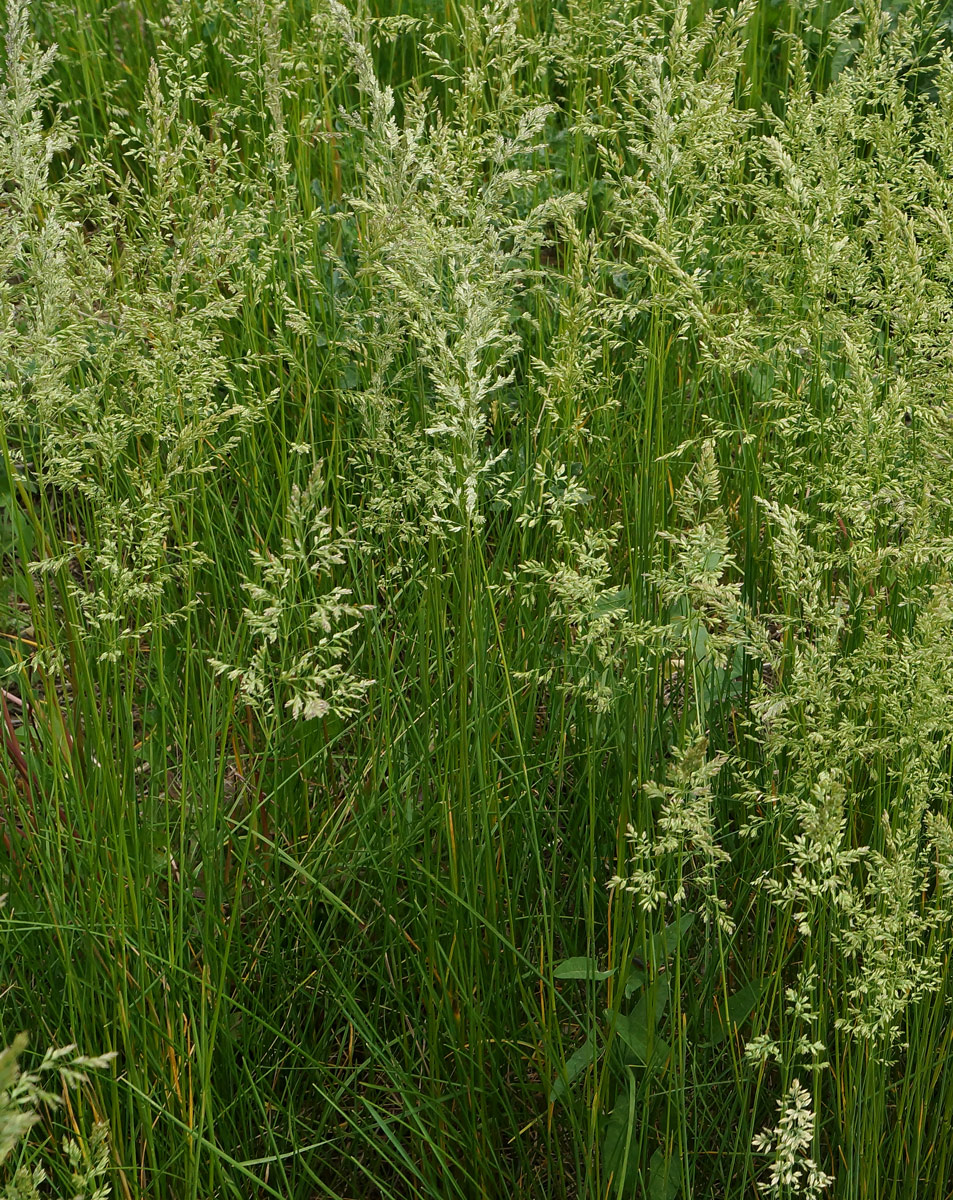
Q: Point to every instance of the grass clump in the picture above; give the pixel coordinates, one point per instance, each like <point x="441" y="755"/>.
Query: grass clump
<point x="475" y="619"/>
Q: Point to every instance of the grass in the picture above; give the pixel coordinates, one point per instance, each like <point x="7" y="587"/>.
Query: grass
<point x="476" y="621"/>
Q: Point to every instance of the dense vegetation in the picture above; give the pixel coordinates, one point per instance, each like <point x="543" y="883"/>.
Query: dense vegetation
<point x="476" y="610"/>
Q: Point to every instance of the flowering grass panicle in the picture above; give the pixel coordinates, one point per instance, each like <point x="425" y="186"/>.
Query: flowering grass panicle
<point x="297" y="629"/>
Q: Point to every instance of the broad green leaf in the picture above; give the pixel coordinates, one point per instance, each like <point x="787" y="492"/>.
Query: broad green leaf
<point x="579" y="968"/>
<point x="666" y="943"/>
<point x="575" y="1065"/>
<point x="700" y="640"/>
<point x="637" y="1029"/>
<point x="665" y="1176"/>
<point x="637" y="978"/>
<point x="636" y="1037"/>
<point x="653" y="1002"/>
<point x="738" y="1008"/>
<point x="618" y="1159"/>
<point x="609" y="602"/>
<point x="712" y="560"/>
